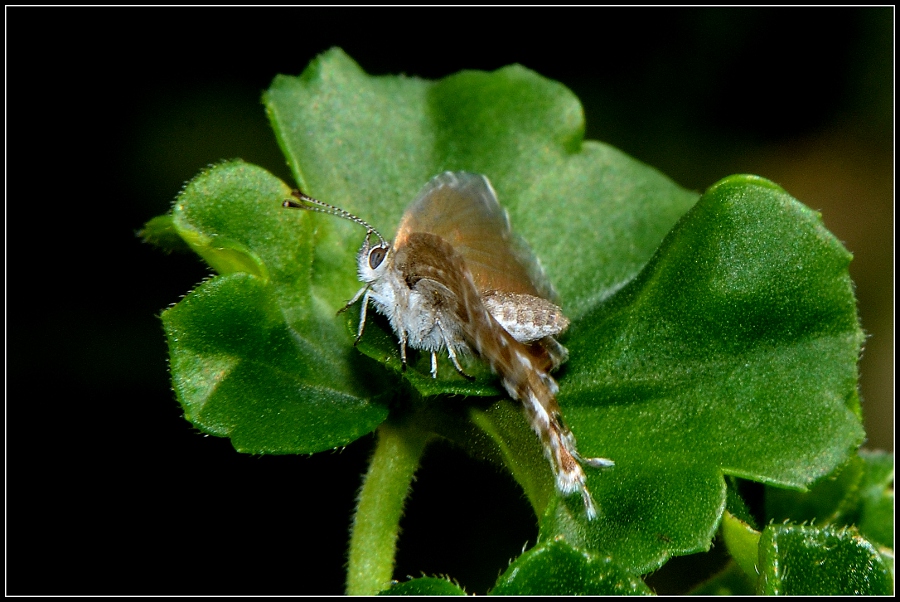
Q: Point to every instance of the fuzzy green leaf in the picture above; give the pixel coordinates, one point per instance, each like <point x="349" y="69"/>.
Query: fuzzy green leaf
<point x="809" y="561"/>
<point x="161" y="232"/>
<point x="742" y="542"/>
<point x="559" y="569"/>
<point x="860" y="493"/>
<point x="729" y="348"/>
<point x="252" y="351"/>
<point x="734" y="352"/>
<point x="369" y="144"/>
<point x="874" y="516"/>
<point x="424" y="586"/>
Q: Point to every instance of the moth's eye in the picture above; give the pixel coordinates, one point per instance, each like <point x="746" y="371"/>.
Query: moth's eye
<point x="376" y="256"/>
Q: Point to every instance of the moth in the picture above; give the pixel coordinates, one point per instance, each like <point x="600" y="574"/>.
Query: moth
<point x="456" y="279"/>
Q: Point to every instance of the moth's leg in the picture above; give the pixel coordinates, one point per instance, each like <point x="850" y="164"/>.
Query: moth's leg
<point x="459" y="369"/>
<point x="402" y="350"/>
<point x="558" y="353"/>
<point x="355" y="298"/>
<point x="595" y="462"/>
<point x="452" y="355"/>
<point x="362" y="313"/>
<point x="569" y="442"/>
<point x="433" y="364"/>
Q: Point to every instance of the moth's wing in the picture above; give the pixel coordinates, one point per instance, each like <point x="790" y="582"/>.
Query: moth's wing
<point x="462" y="208"/>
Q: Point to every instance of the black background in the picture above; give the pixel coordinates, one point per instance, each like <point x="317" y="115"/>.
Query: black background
<point x="110" y="111"/>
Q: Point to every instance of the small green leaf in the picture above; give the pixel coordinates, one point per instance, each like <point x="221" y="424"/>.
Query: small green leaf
<point x="735" y="505"/>
<point x="424" y="586"/>
<point x="875" y="517"/>
<point x="742" y="542"/>
<point x="253" y="357"/>
<point x="556" y="568"/>
<point x="810" y="561"/>
<point x="828" y="502"/>
<point x="860" y="493"/>
<point x="161" y="232"/>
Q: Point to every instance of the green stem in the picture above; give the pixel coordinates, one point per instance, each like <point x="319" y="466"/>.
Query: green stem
<point x="377" y="521"/>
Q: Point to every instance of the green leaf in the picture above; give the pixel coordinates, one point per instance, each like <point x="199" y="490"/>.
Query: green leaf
<point x="161" y="232"/>
<point x="875" y="515"/>
<point x="424" y="586"/>
<point x="734" y="352"/>
<point x="557" y="568"/>
<point x="253" y="352"/>
<point x="860" y="493"/>
<point x="369" y="144"/>
<point x="735" y="505"/>
<point x="828" y="502"/>
<point x="810" y="561"/>
<point x="742" y="542"/>
<point x="726" y="347"/>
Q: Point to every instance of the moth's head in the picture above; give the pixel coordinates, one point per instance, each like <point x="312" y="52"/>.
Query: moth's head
<point x="372" y="259"/>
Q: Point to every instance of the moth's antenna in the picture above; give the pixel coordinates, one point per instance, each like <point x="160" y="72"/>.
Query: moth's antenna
<point x="310" y="204"/>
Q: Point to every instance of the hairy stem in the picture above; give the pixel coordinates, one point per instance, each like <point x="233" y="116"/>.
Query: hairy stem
<point x="376" y="523"/>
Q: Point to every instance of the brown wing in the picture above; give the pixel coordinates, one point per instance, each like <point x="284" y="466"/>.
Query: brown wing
<point x="431" y="267"/>
<point x="462" y="209"/>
